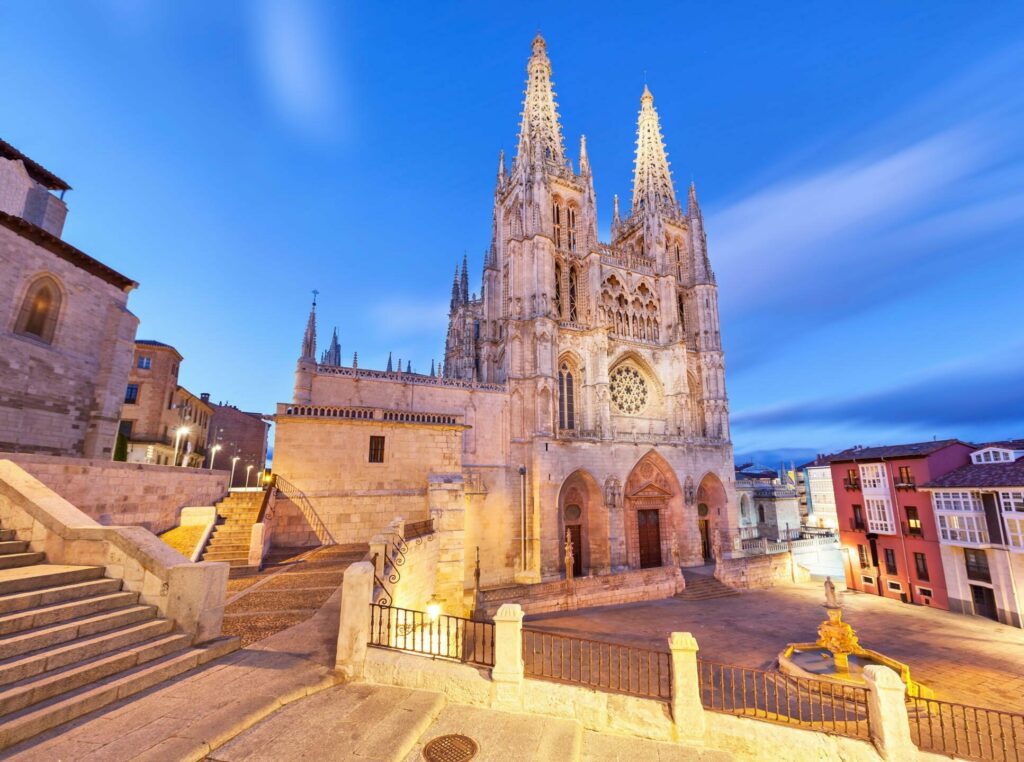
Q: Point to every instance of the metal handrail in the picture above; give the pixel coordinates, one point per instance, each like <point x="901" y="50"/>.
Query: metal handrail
<point x="965" y="731"/>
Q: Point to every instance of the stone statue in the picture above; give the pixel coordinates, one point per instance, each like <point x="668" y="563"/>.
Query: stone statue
<point x="568" y="556"/>
<point x="831" y="602"/>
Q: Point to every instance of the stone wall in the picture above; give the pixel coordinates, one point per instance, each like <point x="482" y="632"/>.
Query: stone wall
<point x="62" y="397"/>
<point x="125" y="494"/>
<point x="605" y="590"/>
<point x="760" y="571"/>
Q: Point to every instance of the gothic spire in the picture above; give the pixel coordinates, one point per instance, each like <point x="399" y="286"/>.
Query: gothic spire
<point x="309" y="338"/>
<point x="431" y="368"/>
<point x="390" y="368"/>
<point x="692" y="207"/>
<point x="540" y="135"/>
<point x="355" y="359"/>
<point x="502" y="174"/>
<point x="652" y="181"/>
<point x="584" y="159"/>
<point x="332" y="355"/>
<point x="455" y="288"/>
<point x="464" y="280"/>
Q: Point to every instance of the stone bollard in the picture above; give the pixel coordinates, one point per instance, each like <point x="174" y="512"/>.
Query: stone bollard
<point x="887" y="713"/>
<point x="687" y="709"/>
<point x="508" y="655"/>
<point x="354" y="627"/>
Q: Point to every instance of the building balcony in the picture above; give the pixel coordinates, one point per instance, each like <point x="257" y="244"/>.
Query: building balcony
<point x="857" y="526"/>
<point x="851" y="484"/>
<point x="908" y="484"/>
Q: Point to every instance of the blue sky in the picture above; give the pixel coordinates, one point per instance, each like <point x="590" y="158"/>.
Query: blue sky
<point x="861" y="169"/>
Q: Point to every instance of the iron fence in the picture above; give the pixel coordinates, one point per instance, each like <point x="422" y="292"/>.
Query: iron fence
<point x="444" y="636"/>
<point x="598" y="664"/>
<point x="814" y="704"/>
<point x="965" y="731"/>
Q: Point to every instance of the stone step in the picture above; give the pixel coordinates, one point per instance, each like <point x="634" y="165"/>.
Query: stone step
<point x="12" y="546"/>
<point x="62" y="612"/>
<point x="40" y="576"/>
<point x="47" y="637"/>
<point x="231" y="560"/>
<point x="14" y="560"/>
<point x="7" y="534"/>
<point x="60" y="594"/>
<point x="21" y="667"/>
<point x="240" y="547"/>
<point x="64" y="708"/>
<point x="33" y="690"/>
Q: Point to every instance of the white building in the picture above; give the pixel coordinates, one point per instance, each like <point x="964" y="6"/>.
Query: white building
<point x="979" y="510"/>
<point x="821" y="496"/>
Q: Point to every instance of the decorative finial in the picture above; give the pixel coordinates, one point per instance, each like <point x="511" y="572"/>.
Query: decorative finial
<point x="315" y="295"/>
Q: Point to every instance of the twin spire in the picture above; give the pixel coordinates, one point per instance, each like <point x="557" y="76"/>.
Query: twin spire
<point x="540" y="138"/>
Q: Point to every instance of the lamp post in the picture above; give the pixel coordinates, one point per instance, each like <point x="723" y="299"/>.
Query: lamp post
<point x="213" y="454"/>
<point x="231" y="481"/>
<point x="178" y="434"/>
<point x="248" y="470"/>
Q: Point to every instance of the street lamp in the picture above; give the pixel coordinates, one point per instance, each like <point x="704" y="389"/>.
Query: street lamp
<point x="213" y="454"/>
<point x="433" y="608"/>
<point x="231" y="481"/>
<point x="248" y="470"/>
<point x="178" y="434"/>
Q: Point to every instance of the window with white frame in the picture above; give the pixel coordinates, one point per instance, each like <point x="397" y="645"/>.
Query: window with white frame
<point x="872" y="476"/>
<point x="967" y="528"/>
<point x="1012" y="501"/>
<point x="992" y="456"/>
<point x="957" y="501"/>
<point x="879" y="513"/>
<point x="1015" y="532"/>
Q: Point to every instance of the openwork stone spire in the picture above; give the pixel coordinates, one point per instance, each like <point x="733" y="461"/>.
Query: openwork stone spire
<point x="652" y="181"/>
<point x="332" y="355"/>
<point x="309" y="338"/>
<point x="540" y="135"/>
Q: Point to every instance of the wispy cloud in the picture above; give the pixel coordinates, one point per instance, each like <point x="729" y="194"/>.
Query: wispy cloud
<point x="300" y="74"/>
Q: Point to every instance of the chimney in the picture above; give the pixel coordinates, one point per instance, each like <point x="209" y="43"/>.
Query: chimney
<point x="205" y="397"/>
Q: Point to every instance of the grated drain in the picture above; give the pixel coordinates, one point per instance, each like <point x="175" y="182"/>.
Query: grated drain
<point x="450" y="748"/>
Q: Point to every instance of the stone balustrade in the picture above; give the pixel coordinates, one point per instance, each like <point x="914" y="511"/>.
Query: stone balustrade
<point x="410" y="378"/>
<point x="386" y="415"/>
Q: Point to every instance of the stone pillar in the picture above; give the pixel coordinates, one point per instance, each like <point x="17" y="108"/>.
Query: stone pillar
<point x="887" y="713"/>
<point x="687" y="709"/>
<point x="354" y="627"/>
<point x="447" y="508"/>
<point x="508" y="655"/>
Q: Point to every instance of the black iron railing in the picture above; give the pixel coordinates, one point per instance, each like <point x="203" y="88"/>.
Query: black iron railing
<point x="446" y="637"/>
<point x="964" y="731"/>
<point x="598" y="664"/>
<point x="774" y="697"/>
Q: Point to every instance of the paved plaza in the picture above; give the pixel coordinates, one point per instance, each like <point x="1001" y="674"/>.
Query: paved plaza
<point x="964" y="659"/>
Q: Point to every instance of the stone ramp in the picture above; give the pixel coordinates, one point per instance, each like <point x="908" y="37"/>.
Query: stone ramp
<point x="702" y="586"/>
<point x="72" y="641"/>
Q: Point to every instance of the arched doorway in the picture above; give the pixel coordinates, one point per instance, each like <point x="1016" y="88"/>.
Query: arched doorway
<point x="711" y="501"/>
<point x="652" y="493"/>
<point x="579" y="514"/>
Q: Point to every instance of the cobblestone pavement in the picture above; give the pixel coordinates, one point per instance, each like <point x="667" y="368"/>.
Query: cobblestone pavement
<point x="964" y="659"/>
<point x="292" y="586"/>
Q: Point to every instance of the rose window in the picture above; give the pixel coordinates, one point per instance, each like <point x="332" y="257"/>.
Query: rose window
<point x="629" y="390"/>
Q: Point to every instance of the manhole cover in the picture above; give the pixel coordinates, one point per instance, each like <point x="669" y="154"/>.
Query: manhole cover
<point x="453" y="748"/>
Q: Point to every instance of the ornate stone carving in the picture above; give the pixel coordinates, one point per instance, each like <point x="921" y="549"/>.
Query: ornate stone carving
<point x="628" y="390"/>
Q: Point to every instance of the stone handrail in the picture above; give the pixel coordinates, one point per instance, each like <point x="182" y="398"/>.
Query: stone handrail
<point x="388" y="415"/>
<point x="191" y="594"/>
<point x="410" y="378"/>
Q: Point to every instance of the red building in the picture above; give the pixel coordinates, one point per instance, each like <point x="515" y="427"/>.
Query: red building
<point x="887" y="529"/>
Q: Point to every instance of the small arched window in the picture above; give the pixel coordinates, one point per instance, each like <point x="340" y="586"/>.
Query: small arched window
<point x="566" y="398"/>
<point x="40" y="309"/>
<point x="760" y="513"/>
<point x="572" y="294"/>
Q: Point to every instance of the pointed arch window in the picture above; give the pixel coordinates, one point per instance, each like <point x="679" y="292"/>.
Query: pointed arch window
<point x="566" y="398"/>
<point x="556" y="217"/>
<point x="40" y="310"/>
<point x="573" y="276"/>
<point x="558" y="289"/>
<point x="571" y="213"/>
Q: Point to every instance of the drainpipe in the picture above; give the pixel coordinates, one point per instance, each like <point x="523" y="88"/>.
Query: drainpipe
<point x="522" y="514"/>
<point x="898" y="518"/>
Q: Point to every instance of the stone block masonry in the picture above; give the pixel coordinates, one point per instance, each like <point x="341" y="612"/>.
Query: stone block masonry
<point x="125" y="494"/>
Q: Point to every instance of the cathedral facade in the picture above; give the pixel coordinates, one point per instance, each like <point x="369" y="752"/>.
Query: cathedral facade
<point x="582" y="392"/>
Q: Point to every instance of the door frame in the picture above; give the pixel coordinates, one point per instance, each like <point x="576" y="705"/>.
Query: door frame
<point x="656" y="514"/>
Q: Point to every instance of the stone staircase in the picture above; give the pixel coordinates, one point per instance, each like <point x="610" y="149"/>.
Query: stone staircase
<point x="72" y="641"/>
<point x="230" y="539"/>
<point x="702" y="587"/>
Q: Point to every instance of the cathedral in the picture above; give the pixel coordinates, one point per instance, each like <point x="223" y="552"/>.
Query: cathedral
<point x="582" y="393"/>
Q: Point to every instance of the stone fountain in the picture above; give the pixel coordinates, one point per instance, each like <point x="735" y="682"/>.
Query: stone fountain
<point x="837" y="654"/>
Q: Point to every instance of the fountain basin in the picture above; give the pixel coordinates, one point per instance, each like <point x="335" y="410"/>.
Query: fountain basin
<point x="814" y="661"/>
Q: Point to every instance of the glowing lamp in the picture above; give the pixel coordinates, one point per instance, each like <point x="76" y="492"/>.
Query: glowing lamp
<point x="433" y="608"/>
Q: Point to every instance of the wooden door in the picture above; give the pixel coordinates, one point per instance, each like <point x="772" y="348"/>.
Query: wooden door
<point x="650" y="538"/>
<point x="705" y="539"/>
<point x="984" y="601"/>
<point x="577" y="549"/>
